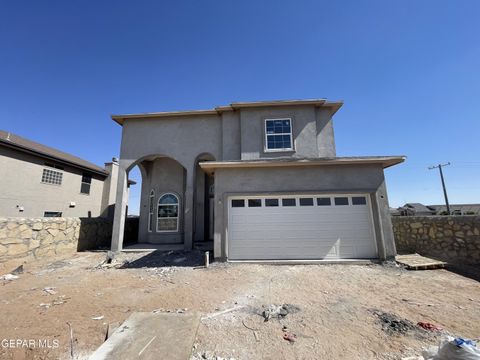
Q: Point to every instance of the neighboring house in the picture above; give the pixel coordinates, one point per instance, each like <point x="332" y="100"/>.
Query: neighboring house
<point x="457" y="209"/>
<point x="259" y="178"/>
<point x="395" y="212"/>
<point x="39" y="181"/>
<point x="415" y="209"/>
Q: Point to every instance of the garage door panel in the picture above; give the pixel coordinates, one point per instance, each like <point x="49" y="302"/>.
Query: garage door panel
<point x="301" y="232"/>
<point x="283" y="253"/>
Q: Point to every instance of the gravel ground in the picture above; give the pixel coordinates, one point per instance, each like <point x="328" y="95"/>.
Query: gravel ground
<point x="332" y="312"/>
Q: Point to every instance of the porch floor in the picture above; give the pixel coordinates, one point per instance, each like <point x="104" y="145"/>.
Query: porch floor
<point x="142" y="247"/>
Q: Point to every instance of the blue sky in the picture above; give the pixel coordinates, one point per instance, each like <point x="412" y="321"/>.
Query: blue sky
<point x="408" y="71"/>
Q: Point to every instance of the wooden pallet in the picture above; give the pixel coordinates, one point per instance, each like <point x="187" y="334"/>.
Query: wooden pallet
<point x="418" y="262"/>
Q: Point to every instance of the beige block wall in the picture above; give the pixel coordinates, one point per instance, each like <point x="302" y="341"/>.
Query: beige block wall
<point x="20" y="184"/>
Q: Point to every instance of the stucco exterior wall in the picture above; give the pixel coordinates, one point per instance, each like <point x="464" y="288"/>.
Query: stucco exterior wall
<point x="20" y="184"/>
<point x="328" y="179"/>
<point x="304" y="130"/>
<point x="182" y="139"/>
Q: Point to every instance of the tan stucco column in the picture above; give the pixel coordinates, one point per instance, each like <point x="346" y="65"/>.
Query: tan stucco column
<point x="188" y="209"/>
<point x="120" y="210"/>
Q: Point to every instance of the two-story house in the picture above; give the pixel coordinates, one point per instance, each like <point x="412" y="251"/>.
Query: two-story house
<point x="259" y="178"/>
<point x="39" y="181"/>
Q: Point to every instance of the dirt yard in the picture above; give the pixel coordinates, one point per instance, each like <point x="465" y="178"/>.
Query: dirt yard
<point x="338" y="316"/>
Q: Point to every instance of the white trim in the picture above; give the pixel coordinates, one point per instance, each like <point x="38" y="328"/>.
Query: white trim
<point x="178" y="212"/>
<point x="151" y="207"/>
<point x="266" y="149"/>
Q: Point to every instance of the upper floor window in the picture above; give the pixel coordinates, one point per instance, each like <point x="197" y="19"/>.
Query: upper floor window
<point x="278" y="134"/>
<point x="167" y="213"/>
<point x="52" y="214"/>
<point x="52" y="174"/>
<point x="86" y="183"/>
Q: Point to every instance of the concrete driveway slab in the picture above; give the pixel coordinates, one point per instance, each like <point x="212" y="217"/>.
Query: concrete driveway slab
<point x="151" y="336"/>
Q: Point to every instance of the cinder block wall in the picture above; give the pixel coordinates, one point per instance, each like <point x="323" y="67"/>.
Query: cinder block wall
<point x="30" y="239"/>
<point x="453" y="239"/>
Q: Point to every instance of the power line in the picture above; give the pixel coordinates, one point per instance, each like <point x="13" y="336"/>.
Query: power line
<point x="439" y="166"/>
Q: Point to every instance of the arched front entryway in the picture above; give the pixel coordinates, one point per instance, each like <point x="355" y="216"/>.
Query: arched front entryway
<point x="166" y="202"/>
<point x="162" y="220"/>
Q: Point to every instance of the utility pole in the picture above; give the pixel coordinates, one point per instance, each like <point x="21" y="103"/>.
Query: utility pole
<point x="439" y="166"/>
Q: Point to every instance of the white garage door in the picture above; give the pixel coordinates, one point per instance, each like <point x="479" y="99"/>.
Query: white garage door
<point x="300" y="227"/>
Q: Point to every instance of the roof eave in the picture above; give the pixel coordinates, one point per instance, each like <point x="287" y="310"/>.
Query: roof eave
<point x="334" y="105"/>
<point x="50" y="157"/>
<point x="384" y="161"/>
<point x="120" y="119"/>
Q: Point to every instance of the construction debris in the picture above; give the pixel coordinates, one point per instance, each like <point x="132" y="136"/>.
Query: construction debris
<point x="209" y="355"/>
<point x="222" y="312"/>
<point x="111" y="329"/>
<point x="18" y="270"/>
<point x="291" y="337"/>
<point x="176" y="311"/>
<point x="453" y="349"/>
<point x="72" y="355"/>
<point x="50" y="290"/>
<point x="429" y="326"/>
<point x="393" y="324"/>
<point x="59" y="301"/>
<point x="418" y="262"/>
<point x="9" y="277"/>
<point x="279" y="311"/>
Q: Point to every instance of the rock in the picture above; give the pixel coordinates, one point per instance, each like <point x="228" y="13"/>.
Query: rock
<point x="12" y="225"/>
<point x="26" y="234"/>
<point x="46" y="239"/>
<point x="53" y="231"/>
<point x="37" y="226"/>
<point x="16" y="249"/>
<point x="9" y="241"/>
<point x="33" y="244"/>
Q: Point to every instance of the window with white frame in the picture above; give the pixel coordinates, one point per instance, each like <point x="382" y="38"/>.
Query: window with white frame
<point x="86" y="183"/>
<point x="278" y="134"/>
<point x="151" y="210"/>
<point x="167" y="215"/>
<point x="52" y="174"/>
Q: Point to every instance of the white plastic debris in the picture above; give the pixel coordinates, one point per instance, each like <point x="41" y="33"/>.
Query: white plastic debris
<point x="451" y="348"/>
<point x="98" y="317"/>
<point x="9" y="277"/>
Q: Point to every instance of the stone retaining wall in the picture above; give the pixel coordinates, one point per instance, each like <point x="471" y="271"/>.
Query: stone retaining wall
<point x="28" y="239"/>
<point x="453" y="239"/>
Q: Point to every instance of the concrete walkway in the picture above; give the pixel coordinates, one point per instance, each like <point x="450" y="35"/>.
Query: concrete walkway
<point x="150" y="336"/>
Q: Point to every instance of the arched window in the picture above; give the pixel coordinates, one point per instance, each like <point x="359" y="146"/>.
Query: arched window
<point x="151" y="210"/>
<point x="167" y="213"/>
